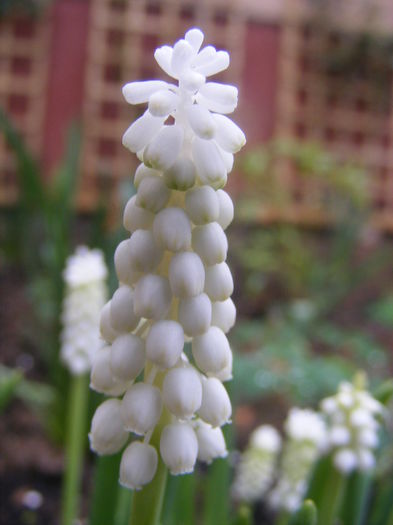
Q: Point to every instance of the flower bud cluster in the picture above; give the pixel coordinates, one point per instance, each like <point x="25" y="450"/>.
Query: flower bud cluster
<point x="85" y="294"/>
<point x="174" y="283"/>
<point x="306" y="439"/>
<point x="255" y="470"/>
<point x="352" y="417"/>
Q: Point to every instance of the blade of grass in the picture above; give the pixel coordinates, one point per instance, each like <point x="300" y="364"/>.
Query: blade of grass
<point x="105" y="490"/>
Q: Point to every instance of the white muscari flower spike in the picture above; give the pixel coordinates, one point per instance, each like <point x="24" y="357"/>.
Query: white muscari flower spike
<point x="174" y="283"/>
<point x="255" y="469"/>
<point x="352" y="418"/>
<point x="85" y="296"/>
<point x="306" y="440"/>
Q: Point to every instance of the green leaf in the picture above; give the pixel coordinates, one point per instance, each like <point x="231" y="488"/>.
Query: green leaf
<point x="306" y="515"/>
<point x="9" y="381"/>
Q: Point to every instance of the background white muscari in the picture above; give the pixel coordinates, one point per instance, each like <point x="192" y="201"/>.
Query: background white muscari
<point x="85" y="294"/>
<point x="256" y="466"/>
<point x="174" y="284"/>
<point x="352" y="417"/>
<point x="306" y="440"/>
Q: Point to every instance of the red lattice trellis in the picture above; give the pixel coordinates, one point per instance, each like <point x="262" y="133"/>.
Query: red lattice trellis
<point x="24" y="48"/>
<point x="351" y="116"/>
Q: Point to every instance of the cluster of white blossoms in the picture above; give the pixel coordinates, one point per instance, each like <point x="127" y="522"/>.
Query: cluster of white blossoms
<point x="352" y="416"/>
<point x="255" y="470"/>
<point x="174" y="283"/>
<point x="85" y="295"/>
<point x="306" y="440"/>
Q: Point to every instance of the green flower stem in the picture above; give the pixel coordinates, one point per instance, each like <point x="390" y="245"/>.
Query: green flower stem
<point x="330" y="502"/>
<point x="75" y="444"/>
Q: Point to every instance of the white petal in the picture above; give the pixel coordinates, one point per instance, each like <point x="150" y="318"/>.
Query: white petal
<point x="195" y="38"/>
<point x="144" y="251"/>
<point x="101" y="379"/>
<point x="204" y="56"/>
<point x="122" y="314"/>
<point x="163" y="56"/>
<point x="201" y="121"/>
<point x="182" y="391"/>
<point x="164" y="148"/>
<point x="211" y="351"/>
<point x="211" y="442"/>
<point x="153" y="194"/>
<point x="191" y="80"/>
<point x="219" y="63"/>
<point x="139" y="92"/>
<point x="186" y="275"/>
<point x="164" y="343"/>
<point x="138" y="465"/>
<point x="179" y="448"/>
<point x="162" y="103"/>
<point x="227" y="159"/>
<point x="108" y="333"/>
<point x="124" y="271"/>
<point x="224" y="94"/>
<point x="228" y="135"/>
<point x="141" y="408"/>
<point x="141" y="132"/>
<point x="135" y="217"/>
<point x="127" y="357"/>
<point x="172" y="229"/>
<point x="182" y="54"/>
<point x="224" y="314"/>
<point x="210" y="243"/>
<point x="181" y="175"/>
<point x="226" y="209"/>
<point x="107" y="435"/>
<point x="218" y="282"/>
<point x="152" y="297"/>
<point x="216" y="407"/>
<point x="208" y="161"/>
<point x="195" y="314"/>
<point x="202" y="204"/>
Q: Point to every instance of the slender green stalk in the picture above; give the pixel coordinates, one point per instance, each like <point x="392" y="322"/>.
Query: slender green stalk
<point x="123" y="507"/>
<point x="329" y="505"/>
<point x="76" y="441"/>
<point x="105" y="490"/>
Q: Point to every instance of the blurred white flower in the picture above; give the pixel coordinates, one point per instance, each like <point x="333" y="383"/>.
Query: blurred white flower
<point x="85" y="295"/>
<point x="255" y="469"/>
<point x="306" y="439"/>
<point x="174" y="284"/>
<point x="352" y="418"/>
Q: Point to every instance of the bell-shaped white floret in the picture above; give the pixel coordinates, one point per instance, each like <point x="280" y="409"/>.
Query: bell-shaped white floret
<point x="145" y="252"/>
<point x="195" y="314"/>
<point x="179" y="448"/>
<point x="219" y="63"/>
<point x="163" y="56"/>
<point x="206" y="54"/>
<point x="153" y="194"/>
<point x="140" y="92"/>
<point x="220" y="98"/>
<point x="123" y="267"/>
<point x="201" y="121"/>
<point x="141" y="408"/>
<point x="211" y="351"/>
<point x="182" y="391"/>
<point x="152" y="298"/>
<point x="181" y="175"/>
<point x="218" y="282"/>
<point x="165" y="147"/>
<point x="210" y="243"/>
<point x="143" y="171"/>
<point x="226" y="373"/>
<point x="107" y="435"/>
<point x="186" y="275"/>
<point x="172" y="229"/>
<point x="182" y="54"/>
<point x="225" y="214"/>
<point x="224" y="314"/>
<point x="208" y="162"/>
<point x="138" y="465"/>
<point x="202" y="205"/>
<point x="345" y="460"/>
<point x="164" y="343"/>
<point x="108" y="333"/>
<point x="101" y="379"/>
<point x="142" y="131"/>
<point x="127" y="357"/>
<point x="195" y="38"/>
<point x="211" y="442"/>
<point x="162" y="103"/>
<point x="135" y="217"/>
<point x="216" y="406"/>
<point x="228" y="135"/>
<point x="123" y="318"/>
